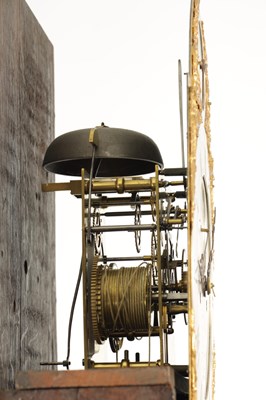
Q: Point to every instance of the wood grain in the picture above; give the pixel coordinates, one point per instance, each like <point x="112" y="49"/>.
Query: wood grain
<point x="27" y="236"/>
<point x="150" y="383"/>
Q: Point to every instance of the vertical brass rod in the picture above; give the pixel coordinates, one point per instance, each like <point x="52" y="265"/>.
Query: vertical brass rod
<point x="158" y="255"/>
<point x="85" y="332"/>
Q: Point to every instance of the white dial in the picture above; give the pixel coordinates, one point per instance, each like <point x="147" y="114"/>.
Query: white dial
<point x="200" y="216"/>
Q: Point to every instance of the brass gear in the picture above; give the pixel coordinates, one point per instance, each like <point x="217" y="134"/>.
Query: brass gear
<point x="95" y="305"/>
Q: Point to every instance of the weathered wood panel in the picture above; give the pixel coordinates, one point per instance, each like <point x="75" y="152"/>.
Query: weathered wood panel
<point x="27" y="253"/>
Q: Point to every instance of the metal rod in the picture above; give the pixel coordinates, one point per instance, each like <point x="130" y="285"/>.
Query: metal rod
<point x="85" y="331"/>
<point x="117" y="185"/>
<point x="176" y="221"/>
<point x="105" y="201"/>
<point x="133" y="258"/>
<point x="64" y="363"/>
<point x="132" y="213"/>
<point x="166" y="347"/>
<point x="175" y="183"/>
<point x="55" y="186"/>
<point x="123" y="213"/>
<point x="134" y="228"/>
<point x="120" y="228"/>
<point x="173" y="172"/>
<point x="89" y="193"/>
<point x="159" y="265"/>
<point x="120" y="364"/>
<point x="72" y="311"/>
<point x="154" y="332"/>
<point x="180" y="86"/>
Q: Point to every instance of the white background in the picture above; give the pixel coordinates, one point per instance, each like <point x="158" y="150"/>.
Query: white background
<point x="116" y="61"/>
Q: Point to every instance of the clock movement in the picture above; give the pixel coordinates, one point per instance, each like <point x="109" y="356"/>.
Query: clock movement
<point x="166" y="218"/>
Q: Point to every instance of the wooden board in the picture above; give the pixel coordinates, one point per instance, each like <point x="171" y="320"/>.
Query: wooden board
<point x="27" y="236"/>
<point x="157" y="383"/>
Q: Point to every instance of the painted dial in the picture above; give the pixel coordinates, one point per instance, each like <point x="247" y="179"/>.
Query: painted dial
<point x="200" y="217"/>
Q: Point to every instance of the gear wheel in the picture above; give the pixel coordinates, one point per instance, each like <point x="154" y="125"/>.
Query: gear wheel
<point x="95" y="304"/>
